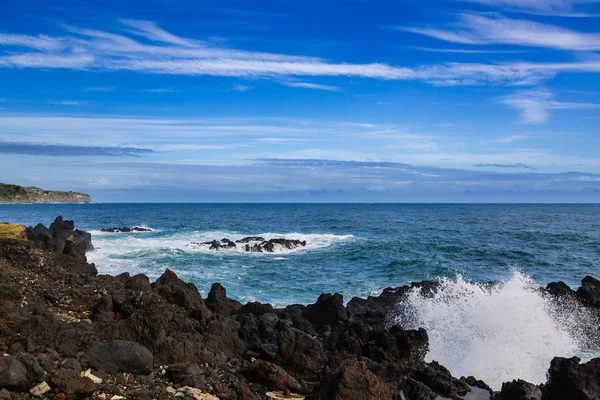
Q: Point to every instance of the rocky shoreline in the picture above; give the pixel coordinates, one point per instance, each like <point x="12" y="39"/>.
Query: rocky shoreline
<point x="68" y="333"/>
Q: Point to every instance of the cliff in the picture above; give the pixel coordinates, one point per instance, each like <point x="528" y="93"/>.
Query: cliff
<point x="15" y="194"/>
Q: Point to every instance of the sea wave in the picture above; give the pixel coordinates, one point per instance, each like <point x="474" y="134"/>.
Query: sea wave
<point x="498" y="332"/>
<point x="115" y="252"/>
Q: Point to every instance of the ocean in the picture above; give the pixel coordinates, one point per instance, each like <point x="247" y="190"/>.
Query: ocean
<point x="359" y="249"/>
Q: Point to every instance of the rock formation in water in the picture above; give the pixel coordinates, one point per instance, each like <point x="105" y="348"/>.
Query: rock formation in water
<point x="71" y="334"/>
<point x="15" y="194"/>
<point x="254" y="244"/>
<point x="126" y="230"/>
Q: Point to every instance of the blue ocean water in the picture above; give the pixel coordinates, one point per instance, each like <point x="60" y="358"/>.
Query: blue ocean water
<point x="353" y="249"/>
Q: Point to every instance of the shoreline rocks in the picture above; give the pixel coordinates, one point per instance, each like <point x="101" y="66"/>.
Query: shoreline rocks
<point x="126" y="230"/>
<point x="254" y="244"/>
<point x="157" y="340"/>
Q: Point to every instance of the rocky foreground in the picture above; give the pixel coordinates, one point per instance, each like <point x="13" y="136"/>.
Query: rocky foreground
<point x="68" y="333"/>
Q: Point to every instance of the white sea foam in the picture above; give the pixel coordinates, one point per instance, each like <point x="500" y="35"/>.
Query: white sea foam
<point x="497" y="333"/>
<point x="127" y="252"/>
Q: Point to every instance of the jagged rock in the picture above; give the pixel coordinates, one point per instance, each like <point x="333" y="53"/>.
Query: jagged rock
<point x="519" y="390"/>
<point x="354" y="381"/>
<point x="568" y="379"/>
<point x="589" y="291"/>
<point x="559" y="289"/>
<point x="328" y="310"/>
<point x="249" y="239"/>
<point x="20" y="372"/>
<point x="72" y="384"/>
<point x="126" y="230"/>
<point x="271" y="376"/>
<point x="185" y="374"/>
<point x="217" y="301"/>
<point x="120" y="356"/>
<point x="299" y="354"/>
<point x="177" y="292"/>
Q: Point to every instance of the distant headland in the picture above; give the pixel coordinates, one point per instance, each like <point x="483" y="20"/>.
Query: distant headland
<point x="15" y="194"/>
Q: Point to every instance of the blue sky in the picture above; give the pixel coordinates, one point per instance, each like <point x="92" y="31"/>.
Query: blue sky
<point x="331" y="100"/>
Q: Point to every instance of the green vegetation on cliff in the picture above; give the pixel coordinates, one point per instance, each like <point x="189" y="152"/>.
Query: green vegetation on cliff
<point x="20" y="194"/>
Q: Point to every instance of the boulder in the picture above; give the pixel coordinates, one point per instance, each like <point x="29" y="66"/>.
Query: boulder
<point x="185" y="374"/>
<point x="327" y="311"/>
<point x="20" y="372"/>
<point x="218" y="302"/>
<point x="72" y="384"/>
<point x="271" y="376"/>
<point x="176" y="291"/>
<point x="120" y="356"/>
<point x="589" y="291"/>
<point x="559" y="289"/>
<point x="519" y="390"/>
<point x="568" y="379"/>
<point x="354" y="381"/>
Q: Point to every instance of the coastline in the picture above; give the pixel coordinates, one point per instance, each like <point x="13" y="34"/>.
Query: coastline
<point x="175" y="340"/>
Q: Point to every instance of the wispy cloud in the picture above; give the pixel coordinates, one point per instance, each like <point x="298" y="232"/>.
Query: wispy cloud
<point x="475" y="29"/>
<point x="63" y="150"/>
<point x="511" y="139"/>
<point x="67" y="102"/>
<point x="535" y="105"/>
<point x="160" y="90"/>
<point x="100" y="89"/>
<point x="308" y="85"/>
<point x="565" y="8"/>
<point x="241" y="88"/>
<point x="519" y="166"/>
<point x="100" y="51"/>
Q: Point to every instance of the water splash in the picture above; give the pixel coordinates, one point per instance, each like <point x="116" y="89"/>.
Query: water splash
<point x="497" y="332"/>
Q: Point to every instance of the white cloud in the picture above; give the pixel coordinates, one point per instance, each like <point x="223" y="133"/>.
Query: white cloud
<point x="535" y="105"/>
<point x="160" y="90"/>
<point x="241" y="88"/>
<point x="151" y="31"/>
<point x="308" y="85"/>
<point x="477" y="29"/>
<point x="548" y="7"/>
<point x="95" y="50"/>
<point x="511" y="139"/>
<point x="40" y="42"/>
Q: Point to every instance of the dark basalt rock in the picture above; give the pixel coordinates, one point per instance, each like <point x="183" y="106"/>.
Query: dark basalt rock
<point x="126" y="230"/>
<point x="328" y="311"/>
<point x="217" y="301"/>
<point x="559" y="289"/>
<point x="71" y="383"/>
<point x="272" y="376"/>
<point x="63" y="238"/>
<point x="186" y="374"/>
<point x="519" y="390"/>
<point x="589" y="291"/>
<point x="249" y="239"/>
<point x="120" y="356"/>
<point x="354" y="381"/>
<point x="263" y="246"/>
<point x="177" y="292"/>
<point x="20" y="372"/>
<point x="568" y="379"/>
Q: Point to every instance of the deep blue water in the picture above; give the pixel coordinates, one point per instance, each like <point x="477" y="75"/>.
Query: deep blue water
<point x="354" y="249"/>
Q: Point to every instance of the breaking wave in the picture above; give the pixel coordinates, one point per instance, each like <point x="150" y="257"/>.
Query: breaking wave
<point x="498" y="332"/>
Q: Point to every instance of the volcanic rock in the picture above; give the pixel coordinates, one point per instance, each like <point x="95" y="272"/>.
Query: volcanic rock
<point x="120" y="356"/>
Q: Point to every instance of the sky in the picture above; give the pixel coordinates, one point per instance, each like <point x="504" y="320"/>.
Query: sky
<point x="302" y="101"/>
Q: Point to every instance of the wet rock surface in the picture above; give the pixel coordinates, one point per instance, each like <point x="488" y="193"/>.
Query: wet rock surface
<point x="126" y="230"/>
<point x="253" y="244"/>
<point x="162" y="340"/>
